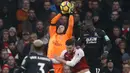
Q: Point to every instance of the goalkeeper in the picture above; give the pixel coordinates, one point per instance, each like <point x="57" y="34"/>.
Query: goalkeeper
<point x="58" y="37"/>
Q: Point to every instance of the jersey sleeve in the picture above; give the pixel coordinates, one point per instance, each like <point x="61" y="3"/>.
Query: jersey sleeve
<point x="61" y="56"/>
<point x="77" y="57"/>
<point x="23" y="66"/>
<point x="69" y="31"/>
<point x="107" y="41"/>
<point x="25" y="62"/>
<point x="51" y="70"/>
<point x="52" y="27"/>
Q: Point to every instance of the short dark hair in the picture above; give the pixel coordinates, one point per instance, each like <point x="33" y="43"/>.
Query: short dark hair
<point x="70" y="42"/>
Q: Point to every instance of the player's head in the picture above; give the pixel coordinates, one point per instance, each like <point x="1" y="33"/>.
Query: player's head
<point x="70" y="44"/>
<point x="60" y="29"/>
<point x="38" y="45"/>
<point x="90" y="27"/>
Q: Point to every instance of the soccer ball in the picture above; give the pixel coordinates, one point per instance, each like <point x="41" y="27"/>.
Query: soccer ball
<point x="65" y="6"/>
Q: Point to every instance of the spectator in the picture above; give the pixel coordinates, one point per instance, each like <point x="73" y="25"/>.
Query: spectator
<point x="123" y="47"/>
<point x="88" y="16"/>
<point x="5" y="68"/>
<point x="12" y="64"/>
<point x="111" y="68"/>
<point x="13" y="35"/>
<point x="40" y="29"/>
<point x="45" y="11"/>
<point x="4" y="57"/>
<point x="89" y="5"/>
<point x="22" y="14"/>
<point x="115" y="20"/>
<point x="24" y="45"/>
<point x="32" y="20"/>
<point x="5" y="39"/>
<point x="77" y="26"/>
<point x="125" y="28"/>
<point x="1" y="27"/>
<point x="125" y="58"/>
<point x="33" y="37"/>
<point x="95" y="6"/>
<point x="12" y="48"/>
<point x="53" y="14"/>
<point x="97" y="21"/>
<point x="56" y="6"/>
<point x="116" y="6"/>
<point x="103" y="64"/>
<point x="126" y="68"/>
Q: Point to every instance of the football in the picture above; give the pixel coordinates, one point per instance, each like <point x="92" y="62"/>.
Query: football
<point x="65" y="6"/>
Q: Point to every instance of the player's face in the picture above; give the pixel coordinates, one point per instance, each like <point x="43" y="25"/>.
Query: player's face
<point x="60" y="29"/>
<point x="69" y="48"/>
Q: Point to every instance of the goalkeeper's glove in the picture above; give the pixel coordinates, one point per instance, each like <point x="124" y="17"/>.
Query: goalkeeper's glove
<point x="71" y="9"/>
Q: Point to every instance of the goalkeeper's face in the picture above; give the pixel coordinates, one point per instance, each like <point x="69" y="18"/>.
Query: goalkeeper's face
<point x="60" y="29"/>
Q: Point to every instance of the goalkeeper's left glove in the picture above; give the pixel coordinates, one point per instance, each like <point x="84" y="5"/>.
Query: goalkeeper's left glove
<point x="71" y="9"/>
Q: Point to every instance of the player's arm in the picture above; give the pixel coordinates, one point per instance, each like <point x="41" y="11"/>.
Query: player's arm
<point x="81" y="41"/>
<point x="107" y="45"/>
<point x="52" y="27"/>
<point x="61" y="56"/>
<point x="23" y="65"/>
<point x="51" y="70"/>
<point x="69" y="31"/>
<point x="77" y="57"/>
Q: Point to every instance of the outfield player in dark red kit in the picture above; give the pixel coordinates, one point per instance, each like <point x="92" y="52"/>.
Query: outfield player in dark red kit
<point x="73" y="57"/>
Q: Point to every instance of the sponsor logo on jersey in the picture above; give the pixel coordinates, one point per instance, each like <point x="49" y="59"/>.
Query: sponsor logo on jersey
<point x="57" y="43"/>
<point x="91" y="40"/>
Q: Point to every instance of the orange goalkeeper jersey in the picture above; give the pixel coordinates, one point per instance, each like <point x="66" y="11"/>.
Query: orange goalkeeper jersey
<point x="57" y="41"/>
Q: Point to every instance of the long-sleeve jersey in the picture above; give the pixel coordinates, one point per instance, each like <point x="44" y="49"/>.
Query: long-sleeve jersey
<point x="76" y="60"/>
<point x="35" y="63"/>
<point x="57" y="41"/>
<point x="95" y="44"/>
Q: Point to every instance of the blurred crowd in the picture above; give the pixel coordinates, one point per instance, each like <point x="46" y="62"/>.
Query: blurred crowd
<point x="23" y="21"/>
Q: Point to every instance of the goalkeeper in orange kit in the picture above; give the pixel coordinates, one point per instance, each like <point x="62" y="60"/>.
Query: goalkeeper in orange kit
<point x="58" y="38"/>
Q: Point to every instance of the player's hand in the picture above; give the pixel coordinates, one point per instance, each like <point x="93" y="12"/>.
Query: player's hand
<point x="63" y="12"/>
<point x="104" y="55"/>
<point x="71" y="9"/>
